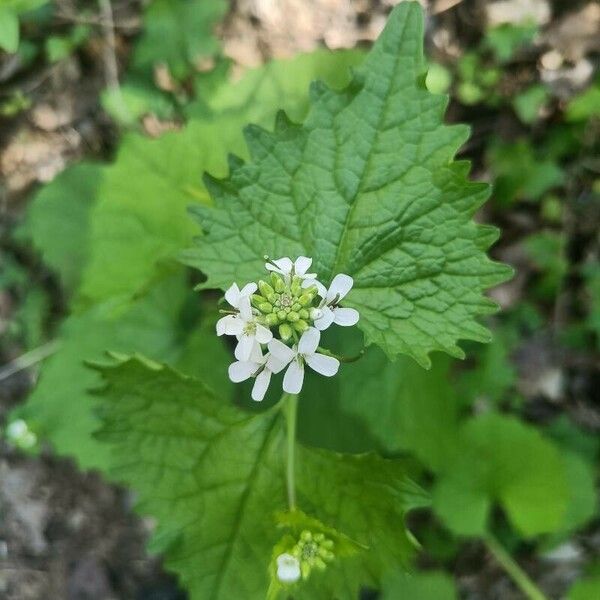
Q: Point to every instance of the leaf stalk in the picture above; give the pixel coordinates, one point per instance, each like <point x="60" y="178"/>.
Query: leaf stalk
<point x="290" y="410"/>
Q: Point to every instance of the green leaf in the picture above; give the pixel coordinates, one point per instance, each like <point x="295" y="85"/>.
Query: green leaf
<point x="147" y="190"/>
<point x="367" y="187"/>
<point x="60" y="408"/>
<point x="419" y="586"/>
<point x="506" y="39"/>
<point x="374" y="404"/>
<point x="9" y="29"/>
<point x="528" y="103"/>
<point x="585" y="105"/>
<point x="58" y="220"/>
<point x="502" y="460"/>
<point x="178" y="33"/>
<point x="213" y="477"/>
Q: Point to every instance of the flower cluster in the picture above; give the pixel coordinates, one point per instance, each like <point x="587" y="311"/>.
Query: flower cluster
<point x="312" y="551"/>
<point x="286" y="315"/>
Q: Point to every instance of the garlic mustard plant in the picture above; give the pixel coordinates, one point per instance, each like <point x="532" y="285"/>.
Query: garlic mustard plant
<point x="287" y="316"/>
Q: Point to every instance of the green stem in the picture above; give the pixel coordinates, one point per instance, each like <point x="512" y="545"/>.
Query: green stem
<point x="344" y="359"/>
<point x="521" y="579"/>
<point x="290" y="406"/>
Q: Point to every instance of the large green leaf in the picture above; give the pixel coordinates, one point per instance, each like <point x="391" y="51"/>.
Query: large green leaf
<point x="60" y="408"/>
<point x="58" y="220"/>
<point x="366" y="186"/>
<point x="213" y="477"/>
<point x="498" y="459"/>
<point x="141" y="216"/>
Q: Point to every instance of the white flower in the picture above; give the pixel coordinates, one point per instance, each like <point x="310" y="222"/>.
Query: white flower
<point x="256" y="366"/>
<point x="305" y="352"/>
<point x="288" y="568"/>
<point x="246" y="328"/>
<point x="284" y="266"/>
<point x="238" y="299"/>
<point x="330" y="312"/>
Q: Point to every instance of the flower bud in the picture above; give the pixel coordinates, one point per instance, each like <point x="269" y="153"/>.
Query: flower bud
<point x="312" y="290"/>
<point x="285" y="331"/>
<point x="278" y="283"/>
<point x="305" y="299"/>
<point x="271" y="319"/>
<point x="296" y="286"/>
<point x="272" y="298"/>
<point x="265" y="307"/>
<point x="255" y="299"/>
<point x="304" y="314"/>
<point x="301" y="326"/>
<point x="265" y="288"/>
<point x="293" y="316"/>
<point x="282" y="315"/>
<point x="296" y="306"/>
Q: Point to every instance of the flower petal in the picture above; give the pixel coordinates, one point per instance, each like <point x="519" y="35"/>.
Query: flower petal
<point x="230" y="325"/>
<point x="321" y="289"/>
<point x="340" y="286"/>
<point x="232" y="295"/>
<point x="248" y="289"/>
<point x="274" y="364"/>
<point x="256" y="355"/>
<point x="302" y="264"/>
<point x="325" y="365"/>
<point x="261" y="385"/>
<point x="294" y="377"/>
<point x="346" y="316"/>
<point x="325" y="320"/>
<point x="241" y="370"/>
<point x="281" y="352"/>
<point x="245" y="308"/>
<point x="284" y="265"/>
<point x="309" y="341"/>
<point x="244" y="347"/>
<point x="263" y="335"/>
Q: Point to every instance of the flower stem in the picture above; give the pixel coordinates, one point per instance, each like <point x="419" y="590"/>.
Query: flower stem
<point x="290" y="406"/>
<point x="520" y="578"/>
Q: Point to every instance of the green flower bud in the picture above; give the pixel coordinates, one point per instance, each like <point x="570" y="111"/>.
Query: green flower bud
<point x="296" y="306"/>
<point x="272" y="298"/>
<point x="296" y="286"/>
<point x="265" y="307"/>
<point x="306" y="535"/>
<point x="320" y="564"/>
<point x="255" y="299"/>
<point x="282" y="314"/>
<point x="328" y="544"/>
<point x="301" y="326"/>
<point x="278" y="283"/>
<point x="293" y="316"/>
<point x="285" y="331"/>
<point x="271" y="319"/>
<point x="305" y="299"/>
<point x="312" y="290"/>
<point x="304" y="314"/>
<point x="326" y="555"/>
<point x="265" y="289"/>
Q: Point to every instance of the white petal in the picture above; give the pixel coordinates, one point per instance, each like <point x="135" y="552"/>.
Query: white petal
<point x="302" y="264"/>
<point x="340" y="286"/>
<point x="294" y="377"/>
<point x="309" y="341"/>
<point x="321" y="289"/>
<point x="245" y="308"/>
<point x="280" y="351"/>
<point x="274" y="364"/>
<point x="325" y="365"/>
<point x="284" y="265"/>
<point x="232" y="295"/>
<point x="346" y="316"/>
<point x="256" y="355"/>
<point x="263" y="335"/>
<point x="244" y="347"/>
<point x="248" y="289"/>
<point x="261" y="385"/>
<point x="288" y="568"/>
<point x="230" y="325"/>
<point x="325" y="320"/>
<point x="240" y="370"/>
